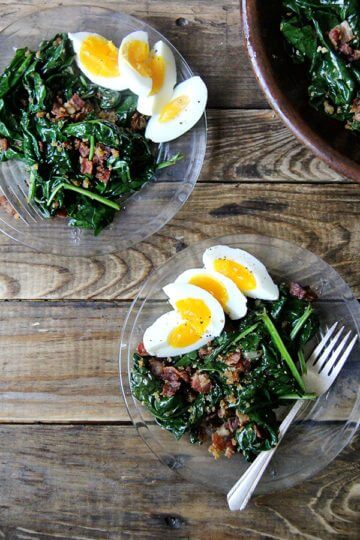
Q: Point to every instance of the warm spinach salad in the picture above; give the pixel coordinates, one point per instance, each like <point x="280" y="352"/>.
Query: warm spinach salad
<point x="229" y="389"/>
<point x="84" y="145"/>
<point x="325" y="35"/>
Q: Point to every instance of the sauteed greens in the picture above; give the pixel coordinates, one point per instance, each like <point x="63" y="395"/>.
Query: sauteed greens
<point x="230" y="388"/>
<point x="325" y="35"/>
<point x="84" y="145"/>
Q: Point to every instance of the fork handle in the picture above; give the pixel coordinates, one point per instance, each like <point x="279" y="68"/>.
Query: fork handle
<point x="240" y="494"/>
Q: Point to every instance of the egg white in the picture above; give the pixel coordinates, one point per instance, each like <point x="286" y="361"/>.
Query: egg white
<point x="152" y="104"/>
<point x="265" y="288"/>
<point x="195" y="90"/>
<point x="113" y="83"/>
<point x="235" y="305"/>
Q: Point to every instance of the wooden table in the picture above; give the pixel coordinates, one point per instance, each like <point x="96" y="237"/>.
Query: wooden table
<point x="71" y="464"/>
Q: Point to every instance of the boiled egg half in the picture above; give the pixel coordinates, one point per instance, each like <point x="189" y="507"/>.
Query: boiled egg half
<point x="163" y="74"/>
<point x="180" y="113"/>
<point x="197" y="319"/>
<point x="221" y="287"/>
<point x="97" y="58"/>
<point x="135" y="63"/>
<point x="247" y="272"/>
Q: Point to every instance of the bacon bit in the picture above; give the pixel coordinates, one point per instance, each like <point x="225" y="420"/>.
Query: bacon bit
<point x="4" y="203"/>
<point x="77" y="102"/>
<point x="103" y="175"/>
<point x="86" y="166"/>
<point x="40" y="114"/>
<point x="75" y="108"/>
<point x="355" y="109"/>
<point x="156" y="367"/>
<point x="84" y="149"/>
<point x="243" y="418"/>
<point x="58" y="110"/>
<point x="170" y="373"/>
<point x="340" y="37"/>
<point x="201" y="382"/>
<point x="222" y="409"/>
<point x="170" y="388"/>
<point x="230" y="450"/>
<point x="205" y="351"/>
<point x="4" y="144"/>
<point x="232" y="376"/>
<point x="140" y="349"/>
<point x="232" y="358"/>
<point x="137" y="122"/>
<point x="303" y="293"/>
<point x="61" y="213"/>
<point x="232" y="424"/>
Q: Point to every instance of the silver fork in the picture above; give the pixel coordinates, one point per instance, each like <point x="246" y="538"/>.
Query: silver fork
<point x="323" y="366"/>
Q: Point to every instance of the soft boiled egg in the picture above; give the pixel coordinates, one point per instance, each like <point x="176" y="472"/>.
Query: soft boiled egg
<point x="135" y="63"/>
<point x="221" y="287"/>
<point x="180" y="114"/>
<point x="163" y="74"/>
<point x="247" y="272"/>
<point x="97" y="58"/>
<point x="197" y="319"/>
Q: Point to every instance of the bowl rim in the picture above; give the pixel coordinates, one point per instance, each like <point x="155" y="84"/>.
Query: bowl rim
<point x="279" y="101"/>
<point x="350" y="425"/>
<point x="10" y="231"/>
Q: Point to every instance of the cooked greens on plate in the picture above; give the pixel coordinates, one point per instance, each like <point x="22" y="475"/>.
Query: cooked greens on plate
<point x="219" y="364"/>
<point x="73" y="112"/>
<point x="325" y="36"/>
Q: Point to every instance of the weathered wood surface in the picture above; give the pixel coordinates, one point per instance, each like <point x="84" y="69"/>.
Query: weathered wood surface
<point x="323" y="218"/>
<point x="59" y="363"/>
<point x="101" y="482"/>
<point x="58" y="359"/>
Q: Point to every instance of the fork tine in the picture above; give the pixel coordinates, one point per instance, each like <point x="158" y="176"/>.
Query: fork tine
<point x="319" y="347"/>
<point x="330" y="361"/>
<point x="327" y="351"/>
<point x="336" y="370"/>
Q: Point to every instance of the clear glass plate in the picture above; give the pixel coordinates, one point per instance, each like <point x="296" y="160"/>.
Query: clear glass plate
<point x="324" y="426"/>
<point x="147" y="210"/>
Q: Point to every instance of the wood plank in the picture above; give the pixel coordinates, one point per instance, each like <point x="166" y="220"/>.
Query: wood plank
<point x="59" y="363"/>
<point x="208" y="35"/>
<point x="101" y="482"/>
<point x="323" y="218"/>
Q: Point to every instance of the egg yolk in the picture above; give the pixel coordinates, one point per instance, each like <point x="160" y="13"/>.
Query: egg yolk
<point x="172" y="109"/>
<point x="157" y="73"/>
<point x="211" y="285"/>
<point x="243" y="278"/>
<point x="138" y="55"/>
<point x="196" y="316"/>
<point x="99" y="56"/>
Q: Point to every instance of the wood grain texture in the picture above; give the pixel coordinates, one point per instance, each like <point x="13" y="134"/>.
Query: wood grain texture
<point x="101" y="482"/>
<point x="323" y="218"/>
<point x="208" y="35"/>
<point x="59" y="363"/>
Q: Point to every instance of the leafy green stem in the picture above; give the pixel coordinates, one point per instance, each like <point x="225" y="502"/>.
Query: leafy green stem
<point x="32" y="185"/>
<point x="92" y="147"/>
<point x="300" y="322"/>
<point x="278" y="342"/>
<point x="86" y="193"/>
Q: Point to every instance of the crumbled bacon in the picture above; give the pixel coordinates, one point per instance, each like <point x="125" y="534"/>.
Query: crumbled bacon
<point x="103" y="174"/>
<point x="232" y="424"/>
<point x="173" y="378"/>
<point x="170" y="388"/>
<point x="340" y="37"/>
<point x="205" y="351"/>
<point x="61" y="213"/>
<point x="75" y="108"/>
<point x="201" y="382"/>
<point x="137" y="122"/>
<point x="231" y="359"/>
<point x="84" y="149"/>
<point x="303" y="293"/>
<point x="243" y="418"/>
<point x="221" y="442"/>
<point x="156" y="367"/>
<point x="86" y="166"/>
<point x="140" y="349"/>
<point x="4" y="144"/>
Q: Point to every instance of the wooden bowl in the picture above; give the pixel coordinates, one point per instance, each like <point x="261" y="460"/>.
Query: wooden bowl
<point x="285" y="86"/>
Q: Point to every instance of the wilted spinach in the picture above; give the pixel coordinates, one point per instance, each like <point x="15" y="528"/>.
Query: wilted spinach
<point x="334" y="71"/>
<point x="272" y="337"/>
<point x="30" y="131"/>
